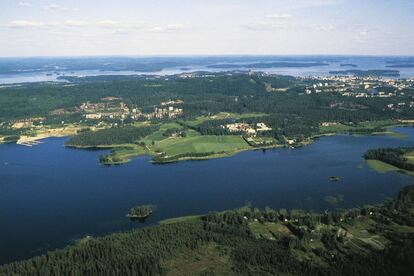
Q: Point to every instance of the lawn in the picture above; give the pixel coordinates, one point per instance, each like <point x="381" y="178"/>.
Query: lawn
<point x="124" y="154"/>
<point x="268" y="230"/>
<point x="410" y="157"/>
<point x="156" y="142"/>
<point x="363" y="125"/>
<point x="208" y="259"/>
<point x="381" y="167"/>
<point x="201" y="144"/>
<point x="221" y="116"/>
<point x="158" y="135"/>
<point x="336" y="128"/>
<point x="179" y="219"/>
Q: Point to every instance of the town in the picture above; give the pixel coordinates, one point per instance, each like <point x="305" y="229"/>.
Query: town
<point x="354" y="86"/>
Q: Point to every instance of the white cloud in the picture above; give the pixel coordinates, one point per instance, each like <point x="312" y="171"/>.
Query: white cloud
<point x="266" y="25"/>
<point x="25" y="4"/>
<point x="178" y="26"/>
<point x="279" y="16"/>
<point x="25" y="24"/>
<point x="125" y="26"/>
<point x="362" y="36"/>
<point x="109" y="24"/>
<point x="271" y="22"/>
<point x="115" y="26"/>
<point x="316" y="3"/>
<point x="76" y="23"/>
<point x="322" y="28"/>
<point x="155" y="29"/>
<point x="56" y="7"/>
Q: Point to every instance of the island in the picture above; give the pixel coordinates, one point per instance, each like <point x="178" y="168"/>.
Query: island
<point x="268" y="65"/>
<point x="348" y="65"/>
<point x="334" y="178"/>
<point x="139" y="212"/>
<point x="401" y="65"/>
<point x="367" y="73"/>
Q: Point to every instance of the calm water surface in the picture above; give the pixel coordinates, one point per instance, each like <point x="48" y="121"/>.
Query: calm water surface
<point x="50" y="195"/>
<point x="363" y="63"/>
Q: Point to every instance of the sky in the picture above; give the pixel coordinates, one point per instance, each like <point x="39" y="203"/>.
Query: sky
<point x="206" y="27"/>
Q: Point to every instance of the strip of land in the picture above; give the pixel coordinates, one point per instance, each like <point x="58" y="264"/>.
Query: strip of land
<point x="385" y="160"/>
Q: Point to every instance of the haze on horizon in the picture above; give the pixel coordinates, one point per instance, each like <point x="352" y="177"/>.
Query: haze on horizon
<point x="205" y="27"/>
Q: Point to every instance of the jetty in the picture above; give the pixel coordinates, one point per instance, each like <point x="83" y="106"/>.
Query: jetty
<point x="29" y="143"/>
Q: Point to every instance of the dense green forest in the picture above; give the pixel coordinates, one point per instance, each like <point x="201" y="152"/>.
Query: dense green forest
<point x="110" y="136"/>
<point x="392" y="156"/>
<point x="371" y="240"/>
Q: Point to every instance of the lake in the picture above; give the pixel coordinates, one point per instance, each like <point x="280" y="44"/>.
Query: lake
<point x="51" y="195"/>
<point x="38" y="73"/>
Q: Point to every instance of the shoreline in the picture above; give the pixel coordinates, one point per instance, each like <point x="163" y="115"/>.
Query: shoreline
<point x="48" y="133"/>
<point x="72" y="130"/>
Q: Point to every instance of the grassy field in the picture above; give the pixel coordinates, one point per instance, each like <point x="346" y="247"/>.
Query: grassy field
<point x="396" y="135"/>
<point x="383" y="167"/>
<point x="179" y="219"/>
<point x="209" y="259"/>
<point x="359" y="234"/>
<point x="269" y="230"/>
<point x="192" y="143"/>
<point x="201" y="144"/>
<point x="221" y="116"/>
<point x="338" y="128"/>
<point x="124" y="155"/>
<point x="410" y="157"/>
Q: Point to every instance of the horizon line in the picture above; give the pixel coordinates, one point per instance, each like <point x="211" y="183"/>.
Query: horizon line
<point x="205" y="55"/>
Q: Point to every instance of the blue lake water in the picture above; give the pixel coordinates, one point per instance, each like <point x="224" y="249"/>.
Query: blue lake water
<point x="51" y="195"/>
<point x="40" y="74"/>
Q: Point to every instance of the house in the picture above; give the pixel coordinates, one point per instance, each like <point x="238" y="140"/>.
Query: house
<point x="93" y="116"/>
<point x="241" y="127"/>
<point x="262" y="127"/>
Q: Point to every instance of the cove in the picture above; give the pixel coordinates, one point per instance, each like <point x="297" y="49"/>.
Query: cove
<point x="51" y="196"/>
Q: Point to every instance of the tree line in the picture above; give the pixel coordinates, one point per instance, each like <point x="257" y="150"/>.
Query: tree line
<point x="110" y="136"/>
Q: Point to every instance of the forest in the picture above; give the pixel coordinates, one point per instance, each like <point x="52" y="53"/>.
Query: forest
<point x="370" y="240"/>
<point x="110" y="136"/>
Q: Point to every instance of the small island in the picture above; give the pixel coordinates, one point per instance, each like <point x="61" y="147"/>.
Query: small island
<point x="348" y="65"/>
<point x="334" y="178"/>
<point x="401" y="65"/>
<point x="140" y="212"/>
